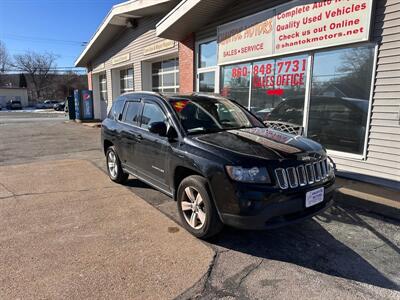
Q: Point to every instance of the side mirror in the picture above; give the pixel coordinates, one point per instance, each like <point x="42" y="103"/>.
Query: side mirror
<point x="159" y="128"/>
<point x="171" y="133"/>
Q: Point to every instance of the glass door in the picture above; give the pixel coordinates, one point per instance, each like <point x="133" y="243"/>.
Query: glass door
<point x="207" y="80"/>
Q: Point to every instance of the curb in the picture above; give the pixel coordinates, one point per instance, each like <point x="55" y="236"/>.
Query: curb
<point x="372" y="198"/>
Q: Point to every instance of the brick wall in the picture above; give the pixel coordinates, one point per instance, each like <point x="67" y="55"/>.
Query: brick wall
<point x="186" y="64"/>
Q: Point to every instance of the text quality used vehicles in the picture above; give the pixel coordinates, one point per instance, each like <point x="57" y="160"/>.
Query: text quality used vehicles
<point x="217" y="160"/>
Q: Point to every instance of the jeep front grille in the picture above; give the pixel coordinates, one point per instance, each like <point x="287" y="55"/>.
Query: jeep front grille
<point x="302" y="175"/>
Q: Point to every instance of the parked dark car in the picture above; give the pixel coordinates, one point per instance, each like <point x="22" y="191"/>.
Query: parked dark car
<point x="59" y="106"/>
<point x="46" y="104"/>
<point x="338" y="123"/>
<point x="217" y="160"/>
<point x="14" y="104"/>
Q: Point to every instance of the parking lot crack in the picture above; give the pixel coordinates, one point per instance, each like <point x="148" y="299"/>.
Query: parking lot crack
<point x="207" y="279"/>
<point x="254" y="268"/>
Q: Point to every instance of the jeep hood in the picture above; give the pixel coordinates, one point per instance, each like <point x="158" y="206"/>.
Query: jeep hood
<point x="263" y="143"/>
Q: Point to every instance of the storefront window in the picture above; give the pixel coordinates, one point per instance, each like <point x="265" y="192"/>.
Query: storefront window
<point x="103" y="87"/>
<point x="126" y="79"/>
<point x="235" y="83"/>
<point x="207" y="54"/>
<point x="165" y="76"/>
<point x="276" y="81"/>
<point x="341" y="87"/>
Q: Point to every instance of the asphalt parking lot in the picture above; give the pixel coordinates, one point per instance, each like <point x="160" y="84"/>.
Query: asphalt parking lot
<point x="343" y="253"/>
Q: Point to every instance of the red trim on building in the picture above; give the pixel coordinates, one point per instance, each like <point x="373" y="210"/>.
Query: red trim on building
<point x="186" y="64"/>
<point x="90" y="80"/>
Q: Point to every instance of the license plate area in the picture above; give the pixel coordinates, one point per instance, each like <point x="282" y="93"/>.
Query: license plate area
<point x="314" y="197"/>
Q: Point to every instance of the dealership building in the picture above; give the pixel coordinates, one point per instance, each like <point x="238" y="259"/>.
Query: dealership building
<point x="327" y="69"/>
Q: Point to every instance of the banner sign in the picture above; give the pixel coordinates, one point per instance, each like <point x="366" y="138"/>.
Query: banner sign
<point x="295" y="27"/>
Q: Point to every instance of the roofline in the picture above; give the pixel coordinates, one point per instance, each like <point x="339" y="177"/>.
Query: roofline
<point x="173" y="14"/>
<point x="114" y="11"/>
<point x="97" y="33"/>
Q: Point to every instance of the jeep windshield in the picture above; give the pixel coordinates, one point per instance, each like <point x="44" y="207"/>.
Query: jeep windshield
<point x="206" y="114"/>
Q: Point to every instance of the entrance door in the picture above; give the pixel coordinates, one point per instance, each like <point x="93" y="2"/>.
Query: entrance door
<point x="207" y="79"/>
<point x="103" y="95"/>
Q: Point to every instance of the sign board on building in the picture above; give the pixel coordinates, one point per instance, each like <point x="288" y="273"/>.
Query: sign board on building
<point x="295" y="27"/>
<point x="121" y="58"/>
<point x="163" y="45"/>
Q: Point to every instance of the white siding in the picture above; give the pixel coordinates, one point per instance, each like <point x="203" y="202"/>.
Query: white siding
<point x="131" y="41"/>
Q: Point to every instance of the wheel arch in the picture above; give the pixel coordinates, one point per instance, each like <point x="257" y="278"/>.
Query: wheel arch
<point x="181" y="173"/>
<point x="107" y="144"/>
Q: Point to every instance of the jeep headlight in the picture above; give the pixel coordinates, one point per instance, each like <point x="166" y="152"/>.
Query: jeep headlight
<point x="250" y="175"/>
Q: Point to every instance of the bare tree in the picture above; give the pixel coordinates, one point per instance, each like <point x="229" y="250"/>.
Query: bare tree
<point x="4" y="58"/>
<point x="37" y="67"/>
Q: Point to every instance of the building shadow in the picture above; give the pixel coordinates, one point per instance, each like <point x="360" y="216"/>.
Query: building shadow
<point x="310" y="245"/>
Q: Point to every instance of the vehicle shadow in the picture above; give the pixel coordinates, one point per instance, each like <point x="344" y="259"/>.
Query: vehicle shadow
<point x="310" y="245"/>
<point x="307" y="244"/>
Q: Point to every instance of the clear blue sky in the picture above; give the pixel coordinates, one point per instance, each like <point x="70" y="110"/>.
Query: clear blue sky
<point x="56" y="26"/>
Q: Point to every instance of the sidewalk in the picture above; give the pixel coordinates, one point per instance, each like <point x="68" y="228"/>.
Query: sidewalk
<point x="69" y="232"/>
<point x="374" y="198"/>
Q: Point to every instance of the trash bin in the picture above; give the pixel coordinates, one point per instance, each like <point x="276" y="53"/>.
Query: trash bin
<point x="83" y="100"/>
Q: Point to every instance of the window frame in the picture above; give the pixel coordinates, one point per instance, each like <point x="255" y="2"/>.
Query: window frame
<point x="126" y="101"/>
<point x="160" y="88"/>
<point x="149" y="101"/>
<point x="101" y="91"/>
<point x="215" y="69"/>
<point x="125" y="79"/>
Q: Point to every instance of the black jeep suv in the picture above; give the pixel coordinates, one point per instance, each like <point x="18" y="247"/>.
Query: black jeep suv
<point x="217" y="160"/>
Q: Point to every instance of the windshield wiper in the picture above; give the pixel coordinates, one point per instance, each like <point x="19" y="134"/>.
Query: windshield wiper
<point x="203" y="130"/>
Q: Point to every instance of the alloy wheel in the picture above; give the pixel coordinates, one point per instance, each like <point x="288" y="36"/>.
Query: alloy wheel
<point x="193" y="208"/>
<point x="112" y="164"/>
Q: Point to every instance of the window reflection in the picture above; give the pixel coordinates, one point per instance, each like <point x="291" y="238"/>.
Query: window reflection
<point x="341" y="87"/>
<point x="236" y="83"/>
<point x="208" y="54"/>
<point x="275" y="81"/>
<point x="207" y="82"/>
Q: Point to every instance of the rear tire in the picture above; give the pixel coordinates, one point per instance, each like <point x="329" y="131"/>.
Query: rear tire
<point x="114" y="168"/>
<point x="196" y="209"/>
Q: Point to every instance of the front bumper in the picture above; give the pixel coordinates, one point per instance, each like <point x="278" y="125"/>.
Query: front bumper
<point x="278" y="209"/>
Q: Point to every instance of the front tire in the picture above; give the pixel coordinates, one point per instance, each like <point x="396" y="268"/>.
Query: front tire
<point x="114" y="168"/>
<point x="196" y="208"/>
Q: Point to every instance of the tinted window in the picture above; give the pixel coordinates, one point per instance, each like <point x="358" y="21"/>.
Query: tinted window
<point x="116" y="109"/>
<point x="151" y="113"/>
<point x="131" y="112"/>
